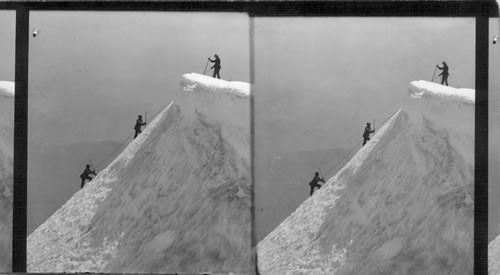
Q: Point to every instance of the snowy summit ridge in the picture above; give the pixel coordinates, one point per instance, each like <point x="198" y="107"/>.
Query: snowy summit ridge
<point x="7" y="88"/>
<point x="402" y="205"/>
<point x="424" y="88"/>
<point x="197" y="82"/>
<point x="176" y="200"/>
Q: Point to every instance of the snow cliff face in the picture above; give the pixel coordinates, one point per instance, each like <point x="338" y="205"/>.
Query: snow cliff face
<point x="6" y="172"/>
<point x="402" y="205"/>
<point x="177" y="199"/>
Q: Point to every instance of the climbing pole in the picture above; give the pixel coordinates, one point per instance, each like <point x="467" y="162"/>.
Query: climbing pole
<point x="205" y="67"/>
<point x="434" y="74"/>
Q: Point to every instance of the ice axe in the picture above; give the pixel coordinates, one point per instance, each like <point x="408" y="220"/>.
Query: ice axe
<point x="321" y="173"/>
<point x="92" y="165"/>
<point x="206" y="66"/>
<point x="434" y="74"/>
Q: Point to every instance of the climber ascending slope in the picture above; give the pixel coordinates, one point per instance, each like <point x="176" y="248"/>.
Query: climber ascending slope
<point x="314" y="182"/>
<point x="86" y="175"/>
<point x="366" y="134"/>
<point x="138" y="125"/>
<point x="146" y="208"/>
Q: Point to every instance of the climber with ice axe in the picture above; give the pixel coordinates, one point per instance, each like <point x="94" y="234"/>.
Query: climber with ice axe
<point x="86" y="174"/>
<point x="368" y="131"/>
<point x="444" y="74"/>
<point x="138" y="125"/>
<point x="216" y="66"/>
<point x="314" y="183"/>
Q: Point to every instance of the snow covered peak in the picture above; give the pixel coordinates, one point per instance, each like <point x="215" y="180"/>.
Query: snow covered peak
<point x="176" y="200"/>
<point x="402" y="205"/>
<point x="7" y="88"/>
<point x="422" y="88"/>
<point x="221" y="102"/>
<point x="447" y="109"/>
<point x="197" y="82"/>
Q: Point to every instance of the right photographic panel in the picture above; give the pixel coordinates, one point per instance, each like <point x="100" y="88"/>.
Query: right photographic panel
<point x="494" y="148"/>
<point x="364" y="145"/>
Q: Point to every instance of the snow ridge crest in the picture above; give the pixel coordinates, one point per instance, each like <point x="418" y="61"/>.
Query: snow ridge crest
<point x="422" y="88"/>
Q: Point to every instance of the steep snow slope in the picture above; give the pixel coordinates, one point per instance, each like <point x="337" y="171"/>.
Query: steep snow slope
<point x="402" y="205"/>
<point x="176" y="200"/>
<point x="6" y="172"/>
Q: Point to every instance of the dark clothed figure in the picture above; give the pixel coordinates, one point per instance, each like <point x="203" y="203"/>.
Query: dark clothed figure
<point x="138" y="125"/>
<point x="86" y="175"/>
<point x="366" y="134"/>
<point x="444" y="73"/>
<point x="216" y="66"/>
<point x="314" y="183"/>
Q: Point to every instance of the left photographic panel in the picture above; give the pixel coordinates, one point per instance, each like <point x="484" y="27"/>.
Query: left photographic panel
<point x="7" y="71"/>
<point x="139" y="142"/>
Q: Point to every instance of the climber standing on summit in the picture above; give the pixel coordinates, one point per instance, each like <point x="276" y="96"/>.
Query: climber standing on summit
<point x="216" y="66"/>
<point x="314" y="183"/>
<point x="138" y="125"/>
<point x="366" y="134"/>
<point x="86" y="175"/>
<point x="444" y="73"/>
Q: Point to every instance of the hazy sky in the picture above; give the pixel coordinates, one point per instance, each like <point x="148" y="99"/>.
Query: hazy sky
<point x="7" y="45"/>
<point x="319" y="80"/>
<point x="92" y="73"/>
<point x="328" y="76"/>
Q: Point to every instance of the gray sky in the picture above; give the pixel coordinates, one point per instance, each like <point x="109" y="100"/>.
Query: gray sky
<point x="327" y="74"/>
<point x="92" y="73"/>
<point x="7" y="45"/>
<point x="319" y="80"/>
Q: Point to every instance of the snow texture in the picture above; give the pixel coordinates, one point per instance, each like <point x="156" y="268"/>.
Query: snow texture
<point x="425" y="88"/>
<point x="402" y="205"/>
<point x="176" y="200"/>
<point x="6" y="172"/>
<point x="493" y="256"/>
<point x="7" y="88"/>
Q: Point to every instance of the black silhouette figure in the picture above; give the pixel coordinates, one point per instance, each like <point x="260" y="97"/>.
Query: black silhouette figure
<point x="138" y="125"/>
<point x="314" y="183"/>
<point x="86" y="175"/>
<point x="366" y="134"/>
<point x="216" y="66"/>
<point x="444" y="73"/>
